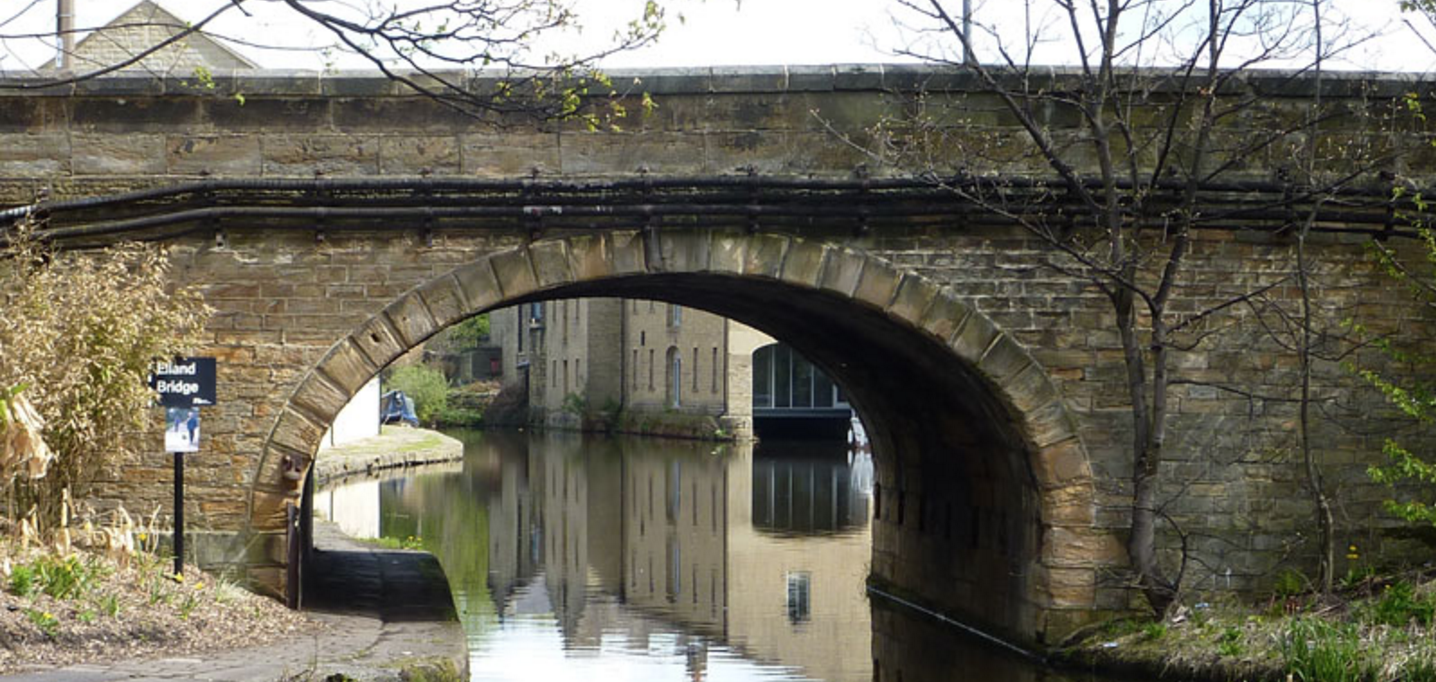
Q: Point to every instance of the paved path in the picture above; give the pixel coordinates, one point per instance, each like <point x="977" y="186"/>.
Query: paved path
<point x="385" y="610"/>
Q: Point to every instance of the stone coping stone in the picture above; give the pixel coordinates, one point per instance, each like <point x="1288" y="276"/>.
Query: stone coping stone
<point x="666" y="81"/>
<point x="394" y="447"/>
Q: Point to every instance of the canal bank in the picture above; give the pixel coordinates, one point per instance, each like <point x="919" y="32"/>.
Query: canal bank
<point x="395" y="447"/>
<point x="1372" y="629"/>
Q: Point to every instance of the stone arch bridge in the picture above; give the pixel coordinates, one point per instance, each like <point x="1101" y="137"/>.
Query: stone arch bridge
<point x="335" y="222"/>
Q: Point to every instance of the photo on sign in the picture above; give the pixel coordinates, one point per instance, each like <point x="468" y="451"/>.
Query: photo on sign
<point x="182" y="429"/>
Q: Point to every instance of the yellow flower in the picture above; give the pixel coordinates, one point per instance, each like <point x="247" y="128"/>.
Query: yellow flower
<point x="199" y="585"/>
<point x="179" y="577"/>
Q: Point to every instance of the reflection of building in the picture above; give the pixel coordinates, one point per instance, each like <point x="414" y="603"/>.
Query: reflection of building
<point x="647" y="545"/>
<point x="687" y="550"/>
<point x="657" y="367"/>
<point x="354" y="507"/>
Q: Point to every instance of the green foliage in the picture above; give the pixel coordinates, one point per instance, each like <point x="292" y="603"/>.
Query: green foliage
<point x="187" y="605"/>
<point x="1290" y="583"/>
<point x="46" y="621"/>
<point x="110" y="604"/>
<point x="22" y="581"/>
<point x="1153" y="632"/>
<point x="426" y="386"/>
<point x="454" y="415"/>
<point x="575" y="404"/>
<point x="1405" y="472"/>
<point x="1398" y="605"/>
<point x="63" y="578"/>
<point x="469" y="334"/>
<point x="1355" y="576"/>
<point x="1229" y="642"/>
<point x="409" y="542"/>
<point x="1315" y="650"/>
<point x="59" y="577"/>
<point x="1419" y="670"/>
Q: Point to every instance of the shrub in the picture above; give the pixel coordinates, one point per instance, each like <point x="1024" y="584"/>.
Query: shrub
<point x="426" y="386"/>
<point x="82" y="331"/>
<point x="453" y="415"/>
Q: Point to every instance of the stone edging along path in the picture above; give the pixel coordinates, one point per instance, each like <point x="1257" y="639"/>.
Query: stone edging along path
<point x="394" y="447"/>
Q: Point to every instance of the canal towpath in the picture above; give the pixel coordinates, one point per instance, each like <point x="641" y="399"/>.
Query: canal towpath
<point x="387" y="614"/>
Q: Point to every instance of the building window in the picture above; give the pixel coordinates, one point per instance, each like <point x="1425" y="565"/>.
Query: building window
<point x="675" y="570"/>
<point x="536" y="313"/>
<point x="800" y="591"/>
<point x="635" y="369"/>
<point x="784" y="379"/>
<point x="519" y="324"/>
<point x="695" y="369"/>
<point x="578" y="374"/>
<point x="675" y="315"/>
<point x="565" y="377"/>
<point x="650" y="369"/>
<point x="714" y="380"/>
<point x="674" y="381"/>
<point x="553" y="376"/>
<point x="763" y="377"/>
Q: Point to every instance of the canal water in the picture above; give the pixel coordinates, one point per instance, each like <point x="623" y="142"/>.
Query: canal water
<point x="590" y="558"/>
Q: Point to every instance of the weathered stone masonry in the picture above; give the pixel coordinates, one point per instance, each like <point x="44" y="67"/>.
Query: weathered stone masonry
<point x="994" y="385"/>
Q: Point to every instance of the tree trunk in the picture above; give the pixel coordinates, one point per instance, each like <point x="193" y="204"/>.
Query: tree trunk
<point x="1142" y="542"/>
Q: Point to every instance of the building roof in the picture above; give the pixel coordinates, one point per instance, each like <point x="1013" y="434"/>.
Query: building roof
<point x="145" y="25"/>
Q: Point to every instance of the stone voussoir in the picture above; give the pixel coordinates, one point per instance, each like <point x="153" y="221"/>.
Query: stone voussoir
<point x="551" y="263"/>
<point x="379" y="340"/>
<point x="412" y="319"/>
<point x="445" y="300"/>
<point x="347" y="366"/>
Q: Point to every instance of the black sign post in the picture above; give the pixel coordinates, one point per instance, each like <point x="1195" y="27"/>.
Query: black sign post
<point x="183" y="383"/>
<point x="179" y="515"/>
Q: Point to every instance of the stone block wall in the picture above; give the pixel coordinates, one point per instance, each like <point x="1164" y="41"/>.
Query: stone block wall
<point x="993" y="383"/>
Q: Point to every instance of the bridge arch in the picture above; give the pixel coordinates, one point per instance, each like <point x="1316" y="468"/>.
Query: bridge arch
<point x="985" y="504"/>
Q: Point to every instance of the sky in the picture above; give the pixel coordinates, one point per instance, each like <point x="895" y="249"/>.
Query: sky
<point x="699" y="33"/>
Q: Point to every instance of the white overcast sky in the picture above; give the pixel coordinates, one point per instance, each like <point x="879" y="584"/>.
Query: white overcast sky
<point x="712" y="32"/>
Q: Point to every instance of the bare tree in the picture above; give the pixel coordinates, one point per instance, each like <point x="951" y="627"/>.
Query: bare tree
<point x="1163" y="118"/>
<point x="481" y="57"/>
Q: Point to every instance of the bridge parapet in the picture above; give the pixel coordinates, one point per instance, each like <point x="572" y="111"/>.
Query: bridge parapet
<point x="131" y="131"/>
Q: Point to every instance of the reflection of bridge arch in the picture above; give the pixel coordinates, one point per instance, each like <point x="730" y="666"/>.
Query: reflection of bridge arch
<point x="967" y="429"/>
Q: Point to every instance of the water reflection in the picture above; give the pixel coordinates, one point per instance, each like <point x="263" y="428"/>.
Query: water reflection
<point x="640" y="559"/>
